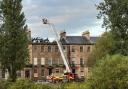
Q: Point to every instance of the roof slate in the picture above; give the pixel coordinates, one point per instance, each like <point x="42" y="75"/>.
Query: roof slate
<point x="71" y="40"/>
<point x="79" y="40"/>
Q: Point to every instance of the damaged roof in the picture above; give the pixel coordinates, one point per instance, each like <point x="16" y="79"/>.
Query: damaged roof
<point x="68" y="40"/>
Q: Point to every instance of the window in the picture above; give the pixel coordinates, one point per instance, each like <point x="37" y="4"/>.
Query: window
<point x="42" y="61"/>
<point x="35" y="61"/>
<point x="42" y="48"/>
<point x="42" y="72"/>
<point x="58" y="61"/>
<point x="49" y="49"/>
<point x="81" y="48"/>
<point x="35" y="47"/>
<point x="35" y="73"/>
<point x="35" y="70"/>
<point x="73" y="61"/>
<point x="88" y="49"/>
<point x="64" y="48"/>
<point x="50" y="62"/>
<point x="3" y="74"/>
<point x="73" y="49"/>
<point x="81" y="61"/>
<point x="56" y="48"/>
<point x="18" y="74"/>
<point x="27" y="73"/>
<point x="55" y="61"/>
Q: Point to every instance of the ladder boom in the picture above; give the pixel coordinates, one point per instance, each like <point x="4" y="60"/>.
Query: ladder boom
<point x="61" y="49"/>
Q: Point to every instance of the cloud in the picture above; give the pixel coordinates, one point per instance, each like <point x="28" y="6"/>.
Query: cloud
<point x="74" y="16"/>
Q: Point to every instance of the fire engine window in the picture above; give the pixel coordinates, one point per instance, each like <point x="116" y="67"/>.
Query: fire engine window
<point x="57" y="70"/>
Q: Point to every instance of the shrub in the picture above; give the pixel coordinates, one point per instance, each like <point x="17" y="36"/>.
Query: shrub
<point x="4" y="84"/>
<point x="110" y="73"/>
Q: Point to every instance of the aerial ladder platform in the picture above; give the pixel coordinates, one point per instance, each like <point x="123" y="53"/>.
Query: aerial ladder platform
<point x="67" y="72"/>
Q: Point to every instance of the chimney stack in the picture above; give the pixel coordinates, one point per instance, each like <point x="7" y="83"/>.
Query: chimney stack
<point x="29" y="34"/>
<point x="62" y="35"/>
<point x="86" y="34"/>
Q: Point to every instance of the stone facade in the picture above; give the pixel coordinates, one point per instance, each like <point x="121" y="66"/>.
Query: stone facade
<point x="45" y="58"/>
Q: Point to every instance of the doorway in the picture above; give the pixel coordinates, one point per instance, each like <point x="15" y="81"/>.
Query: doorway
<point x="27" y="74"/>
<point x="73" y="70"/>
<point x="49" y="71"/>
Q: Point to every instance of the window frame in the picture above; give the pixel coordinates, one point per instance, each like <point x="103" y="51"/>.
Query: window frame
<point x="73" y="49"/>
<point x="81" y="49"/>
<point x="49" y="49"/>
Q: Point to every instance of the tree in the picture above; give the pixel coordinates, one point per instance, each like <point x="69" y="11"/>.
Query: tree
<point x="110" y="73"/>
<point x="13" y="41"/>
<point x="115" y="15"/>
<point x="103" y="47"/>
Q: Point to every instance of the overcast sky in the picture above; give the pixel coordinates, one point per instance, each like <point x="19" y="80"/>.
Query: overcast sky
<point x="73" y="16"/>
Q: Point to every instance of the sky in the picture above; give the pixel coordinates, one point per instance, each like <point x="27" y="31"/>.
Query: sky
<point x="72" y="16"/>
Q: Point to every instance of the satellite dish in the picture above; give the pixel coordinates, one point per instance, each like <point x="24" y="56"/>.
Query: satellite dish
<point x="45" y="21"/>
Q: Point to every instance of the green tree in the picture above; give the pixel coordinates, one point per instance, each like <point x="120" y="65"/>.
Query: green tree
<point x="103" y="46"/>
<point x="13" y="41"/>
<point x="110" y="73"/>
<point x="115" y="15"/>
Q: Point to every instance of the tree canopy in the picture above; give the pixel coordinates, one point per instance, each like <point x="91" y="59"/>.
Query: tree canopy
<point x="110" y="73"/>
<point x="103" y="46"/>
<point x="13" y="37"/>
<point x="115" y="15"/>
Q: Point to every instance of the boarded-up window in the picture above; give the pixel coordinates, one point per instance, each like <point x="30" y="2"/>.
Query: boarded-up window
<point x="42" y="61"/>
<point x="35" y="61"/>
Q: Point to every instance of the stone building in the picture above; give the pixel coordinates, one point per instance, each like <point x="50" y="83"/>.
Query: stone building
<point x="45" y="58"/>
